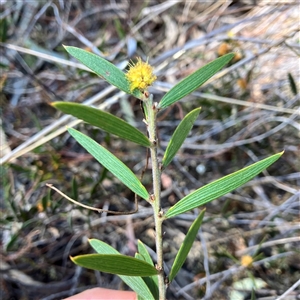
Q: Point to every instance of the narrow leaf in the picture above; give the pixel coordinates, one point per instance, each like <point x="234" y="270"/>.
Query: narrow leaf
<point x="74" y="189"/>
<point x="103" y="68"/>
<point x="110" y="162"/>
<point x="139" y="256"/>
<point x="104" y="120"/>
<point x="152" y="285"/>
<point x="220" y="187"/>
<point x="193" y="81"/>
<point x="149" y="279"/>
<point x="137" y="284"/>
<point x="186" y="246"/>
<point x="180" y="135"/>
<point x="152" y="282"/>
<point x="144" y="252"/>
<point x="293" y="85"/>
<point x="115" y="264"/>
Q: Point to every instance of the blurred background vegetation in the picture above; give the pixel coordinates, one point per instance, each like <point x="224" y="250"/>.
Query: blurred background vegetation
<point x="249" y="111"/>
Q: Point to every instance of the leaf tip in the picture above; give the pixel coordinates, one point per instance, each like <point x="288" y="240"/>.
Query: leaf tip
<point x="55" y="103"/>
<point x="230" y="54"/>
<point x="66" y="47"/>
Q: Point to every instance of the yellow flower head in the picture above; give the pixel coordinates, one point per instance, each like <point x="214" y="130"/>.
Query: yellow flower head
<point x="140" y="75"/>
<point x="246" y="260"/>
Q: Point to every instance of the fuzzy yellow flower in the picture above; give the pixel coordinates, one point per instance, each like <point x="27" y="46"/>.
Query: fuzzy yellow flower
<point x="246" y="260"/>
<point x="140" y="75"/>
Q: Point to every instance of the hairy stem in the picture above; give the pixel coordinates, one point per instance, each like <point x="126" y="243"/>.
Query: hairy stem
<point x="151" y="111"/>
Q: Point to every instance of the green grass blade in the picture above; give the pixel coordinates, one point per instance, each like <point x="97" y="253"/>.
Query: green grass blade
<point x="103" y="68"/>
<point x="193" y="81"/>
<point x="179" y="136"/>
<point x="104" y="120"/>
<point x="110" y="162"/>
<point x="186" y="246"/>
<point x="293" y="85"/>
<point x="137" y="284"/>
<point x="115" y="264"/>
<point x="220" y="187"/>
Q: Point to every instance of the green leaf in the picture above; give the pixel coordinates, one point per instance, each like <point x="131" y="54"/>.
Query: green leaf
<point x="220" y="187"/>
<point x="139" y="256"/>
<point x="110" y="162"/>
<point x="193" y="81"/>
<point x="104" y="120"/>
<point x="3" y="30"/>
<point x="103" y="68"/>
<point x="149" y="279"/>
<point x="152" y="282"/>
<point x="74" y="189"/>
<point x="144" y="252"/>
<point x="115" y="264"/>
<point x="179" y="136"/>
<point x="292" y="84"/>
<point x="186" y="246"/>
<point x="137" y="284"/>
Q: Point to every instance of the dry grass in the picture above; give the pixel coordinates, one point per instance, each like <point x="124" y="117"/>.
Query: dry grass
<point x="249" y="112"/>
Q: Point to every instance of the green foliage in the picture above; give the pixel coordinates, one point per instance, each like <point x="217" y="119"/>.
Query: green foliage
<point x="104" y="69"/>
<point x="220" y="187"/>
<point x="152" y="282"/>
<point x="180" y="135"/>
<point x="139" y="273"/>
<point x="110" y="162"/>
<point x="3" y="29"/>
<point x="105" y="121"/>
<point x="143" y="251"/>
<point x="75" y="188"/>
<point x="193" y="81"/>
<point x="186" y="246"/>
<point x="136" y="283"/>
<point x="149" y="280"/>
<point x="293" y="85"/>
<point x="115" y="264"/>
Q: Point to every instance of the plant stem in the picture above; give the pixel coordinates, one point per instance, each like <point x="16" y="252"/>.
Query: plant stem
<point x="151" y="112"/>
